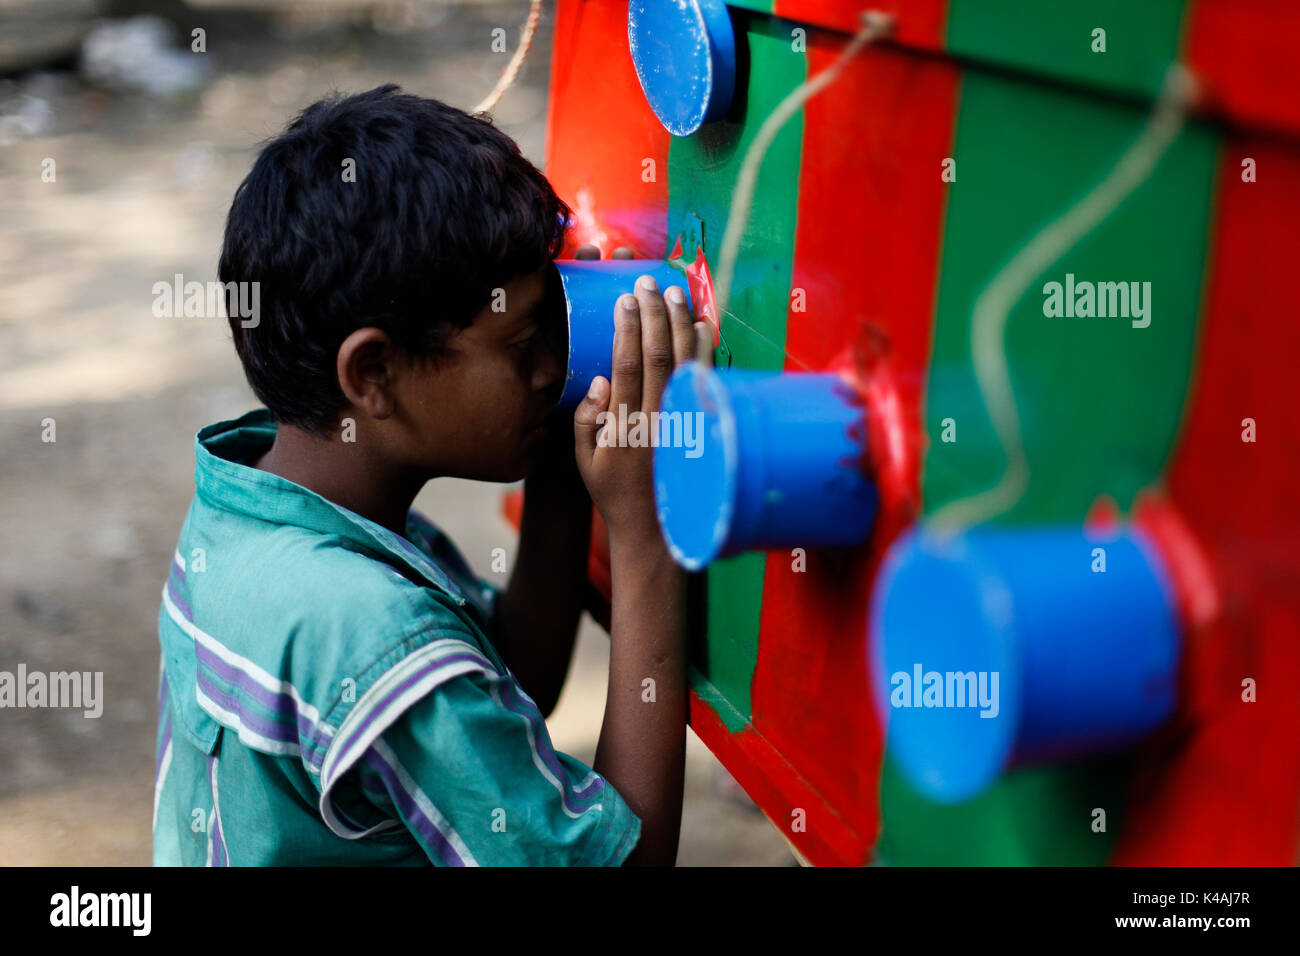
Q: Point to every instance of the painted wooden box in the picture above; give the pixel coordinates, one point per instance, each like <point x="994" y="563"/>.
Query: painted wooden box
<point x="885" y="208"/>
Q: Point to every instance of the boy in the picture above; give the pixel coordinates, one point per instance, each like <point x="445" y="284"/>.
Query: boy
<point x="337" y="686"/>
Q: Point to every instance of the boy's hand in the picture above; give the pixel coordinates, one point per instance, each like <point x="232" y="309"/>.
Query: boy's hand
<point x="556" y="459"/>
<point x="642" y="749"/>
<point x="652" y="334"/>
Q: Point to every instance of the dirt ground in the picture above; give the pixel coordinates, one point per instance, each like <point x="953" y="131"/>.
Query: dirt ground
<point x="89" y="521"/>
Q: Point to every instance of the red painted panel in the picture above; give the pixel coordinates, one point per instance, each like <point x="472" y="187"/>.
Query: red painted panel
<point x="600" y="132"/>
<point x="1245" y="53"/>
<point x="918" y="23"/>
<point x="871" y="205"/>
<point x="818" y="832"/>
<point x="1230" y="772"/>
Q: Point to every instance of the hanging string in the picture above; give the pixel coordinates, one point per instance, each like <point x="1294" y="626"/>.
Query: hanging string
<point x="874" y="26"/>
<point x="993" y="306"/>
<point x="512" y="68"/>
<point x="995" y="302"/>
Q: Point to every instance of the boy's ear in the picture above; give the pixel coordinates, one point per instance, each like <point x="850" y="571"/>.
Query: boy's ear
<point x="366" y="368"/>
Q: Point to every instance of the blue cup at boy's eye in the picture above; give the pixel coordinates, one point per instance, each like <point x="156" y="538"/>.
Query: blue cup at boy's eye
<point x="591" y="290"/>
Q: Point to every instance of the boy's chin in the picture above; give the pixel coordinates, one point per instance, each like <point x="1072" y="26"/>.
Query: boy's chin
<point x="524" y="464"/>
<point x="522" y="471"/>
<point x="529" y="459"/>
<point x="508" y="467"/>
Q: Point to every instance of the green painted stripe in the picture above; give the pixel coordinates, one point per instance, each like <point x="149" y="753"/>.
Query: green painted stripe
<point x="1035" y="817"/>
<point x="1090" y="391"/>
<point x="1100" y="402"/>
<point x="1056" y="39"/>
<point x="702" y="171"/>
<point x="731" y="719"/>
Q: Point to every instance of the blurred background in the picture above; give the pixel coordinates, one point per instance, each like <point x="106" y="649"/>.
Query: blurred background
<point x="149" y="141"/>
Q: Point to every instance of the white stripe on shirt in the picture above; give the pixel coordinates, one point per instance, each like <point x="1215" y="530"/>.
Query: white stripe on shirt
<point x="430" y="812"/>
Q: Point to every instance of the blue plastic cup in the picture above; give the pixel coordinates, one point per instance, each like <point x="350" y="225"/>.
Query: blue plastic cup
<point x="1063" y="660"/>
<point x="591" y="291"/>
<point x="777" y="465"/>
<point x="684" y="52"/>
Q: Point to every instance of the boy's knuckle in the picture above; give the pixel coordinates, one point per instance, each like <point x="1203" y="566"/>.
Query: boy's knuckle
<point x="659" y="357"/>
<point x="652" y="303"/>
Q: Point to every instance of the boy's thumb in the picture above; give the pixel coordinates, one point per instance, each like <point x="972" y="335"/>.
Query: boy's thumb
<point x="586" y="418"/>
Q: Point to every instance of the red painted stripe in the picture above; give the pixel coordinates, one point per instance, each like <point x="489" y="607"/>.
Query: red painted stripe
<point x="870" y="216"/>
<point x="601" y="132"/>
<point x="772" y="783"/>
<point x="1244" y="52"/>
<point x="1223" y="786"/>
<point x="918" y="23"/>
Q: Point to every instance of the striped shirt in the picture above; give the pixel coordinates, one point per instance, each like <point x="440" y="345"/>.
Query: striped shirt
<point x="329" y="694"/>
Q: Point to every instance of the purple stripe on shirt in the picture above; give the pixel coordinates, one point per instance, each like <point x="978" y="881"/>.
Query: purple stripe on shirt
<point x="178" y="600"/>
<point x="257" y="722"/>
<point x="162" y="697"/>
<point x="415" y="818"/>
<point x="386" y="701"/>
<point x="283" y="707"/>
<point x="520" y="705"/>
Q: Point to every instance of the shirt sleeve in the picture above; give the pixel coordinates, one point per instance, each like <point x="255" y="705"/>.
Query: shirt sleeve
<point x="470" y="770"/>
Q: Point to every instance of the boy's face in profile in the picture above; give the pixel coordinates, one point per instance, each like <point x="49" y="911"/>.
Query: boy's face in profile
<point x="479" y="412"/>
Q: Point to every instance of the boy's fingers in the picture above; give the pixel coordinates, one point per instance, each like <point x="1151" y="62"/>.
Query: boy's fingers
<point x="683" y="326"/>
<point x="656" y="342"/>
<point x="704" y="343"/>
<point x="625" y="389"/>
<point x="585" y="419"/>
<point x="592" y="251"/>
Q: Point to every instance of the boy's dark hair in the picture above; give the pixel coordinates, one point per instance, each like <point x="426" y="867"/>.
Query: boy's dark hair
<point x="444" y="209"/>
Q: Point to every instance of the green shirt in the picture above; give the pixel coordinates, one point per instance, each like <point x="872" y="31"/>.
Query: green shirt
<point x="329" y="694"/>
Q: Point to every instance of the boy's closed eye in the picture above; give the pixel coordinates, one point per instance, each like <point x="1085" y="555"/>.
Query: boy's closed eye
<point x="530" y="331"/>
<point x="543" y="326"/>
<point x="526" y="343"/>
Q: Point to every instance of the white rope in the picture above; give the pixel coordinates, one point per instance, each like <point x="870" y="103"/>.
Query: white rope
<point x="993" y="306"/>
<point x="512" y="68"/>
<point x="874" y="25"/>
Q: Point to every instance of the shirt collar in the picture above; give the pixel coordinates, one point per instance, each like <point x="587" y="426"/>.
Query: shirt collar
<point x="225" y="478"/>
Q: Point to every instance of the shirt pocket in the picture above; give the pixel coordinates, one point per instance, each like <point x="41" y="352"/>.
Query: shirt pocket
<point x="198" y="726"/>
